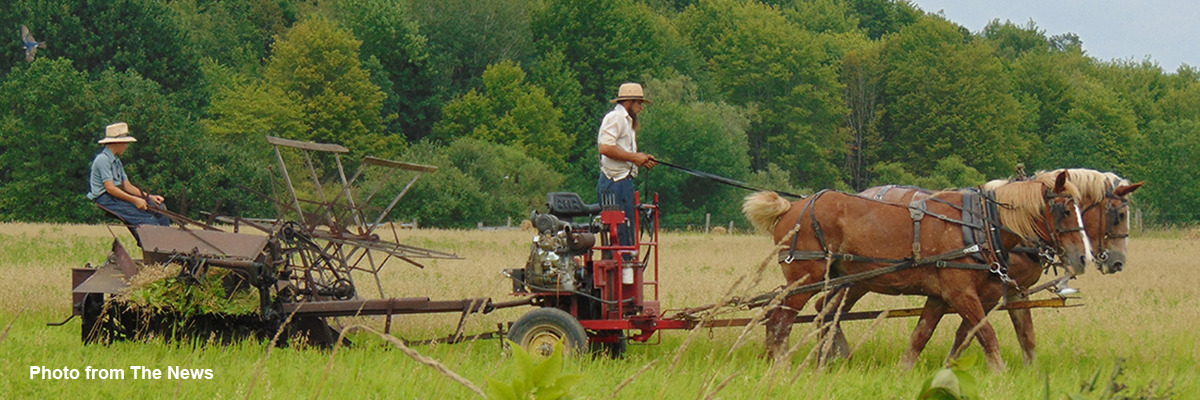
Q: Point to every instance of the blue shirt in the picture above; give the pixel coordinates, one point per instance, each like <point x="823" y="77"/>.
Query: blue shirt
<point x="106" y="167"/>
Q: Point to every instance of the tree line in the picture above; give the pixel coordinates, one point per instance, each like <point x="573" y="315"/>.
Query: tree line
<point x="506" y="96"/>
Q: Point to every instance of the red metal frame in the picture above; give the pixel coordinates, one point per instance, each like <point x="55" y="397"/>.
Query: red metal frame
<point x="639" y="313"/>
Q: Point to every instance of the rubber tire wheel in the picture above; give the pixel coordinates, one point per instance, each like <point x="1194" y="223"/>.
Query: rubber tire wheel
<point x="537" y="331"/>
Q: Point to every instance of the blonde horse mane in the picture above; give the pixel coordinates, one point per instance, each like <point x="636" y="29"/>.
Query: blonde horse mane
<point x="1093" y="185"/>
<point x="1022" y="202"/>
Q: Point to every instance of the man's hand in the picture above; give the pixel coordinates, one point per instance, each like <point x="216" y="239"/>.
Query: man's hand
<point x="141" y="204"/>
<point x="158" y="200"/>
<point x="645" y="160"/>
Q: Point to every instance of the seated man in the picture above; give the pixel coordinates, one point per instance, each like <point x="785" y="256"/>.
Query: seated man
<point x="110" y="187"/>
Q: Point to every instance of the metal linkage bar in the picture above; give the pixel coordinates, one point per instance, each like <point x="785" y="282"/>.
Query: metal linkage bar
<point x="1058" y="302"/>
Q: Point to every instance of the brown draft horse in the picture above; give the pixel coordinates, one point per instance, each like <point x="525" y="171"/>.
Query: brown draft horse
<point x="846" y="224"/>
<point x="1105" y="218"/>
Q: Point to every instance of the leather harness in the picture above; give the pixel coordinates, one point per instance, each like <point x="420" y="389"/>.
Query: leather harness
<point x="981" y="238"/>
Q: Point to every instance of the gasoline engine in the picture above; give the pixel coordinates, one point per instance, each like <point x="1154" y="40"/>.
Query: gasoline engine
<point x="554" y="263"/>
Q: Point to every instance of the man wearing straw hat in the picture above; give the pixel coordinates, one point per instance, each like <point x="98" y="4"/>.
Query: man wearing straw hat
<point x="619" y="156"/>
<point x="110" y="187"/>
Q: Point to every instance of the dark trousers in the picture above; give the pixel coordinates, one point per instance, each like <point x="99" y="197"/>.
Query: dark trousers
<point x="619" y="193"/>
<point x="130" y="213"/>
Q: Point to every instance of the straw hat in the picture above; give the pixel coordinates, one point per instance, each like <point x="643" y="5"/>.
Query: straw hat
<point x="630" y="91"/>
<point x="117" y="133"/>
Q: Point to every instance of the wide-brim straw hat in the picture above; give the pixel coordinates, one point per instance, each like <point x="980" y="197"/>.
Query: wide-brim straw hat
<point x="630" y="91"/>
<point x="117" y="133"/>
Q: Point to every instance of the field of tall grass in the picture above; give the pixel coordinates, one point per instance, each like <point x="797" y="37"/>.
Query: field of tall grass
<point x="1147" y="315"/>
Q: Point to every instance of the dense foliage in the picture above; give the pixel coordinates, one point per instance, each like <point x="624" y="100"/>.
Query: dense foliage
<point x="506" y="96"/>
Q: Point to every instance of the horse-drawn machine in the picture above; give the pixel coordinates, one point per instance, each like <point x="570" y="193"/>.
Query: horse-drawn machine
<point x="306" y="267"/>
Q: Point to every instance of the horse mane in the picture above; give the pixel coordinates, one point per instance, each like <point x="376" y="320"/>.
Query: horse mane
<point x="1093" y="185"/>
<point x="995" y="183"/>
<point x="1022" y="202"/>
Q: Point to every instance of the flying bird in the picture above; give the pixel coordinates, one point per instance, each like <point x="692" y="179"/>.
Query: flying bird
<point x="31" y="44"/>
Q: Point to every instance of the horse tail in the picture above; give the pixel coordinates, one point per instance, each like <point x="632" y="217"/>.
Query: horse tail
<point x="763" y="209"/>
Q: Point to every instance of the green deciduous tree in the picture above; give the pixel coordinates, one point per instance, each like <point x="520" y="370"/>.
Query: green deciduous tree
<point x="316" y="65"/>
<point x="942" y="96"/>
<point x="510" y="111"/>
<point x="1010" y="41"/>
<point x="467" y="36"/>
<point x="477" y="181"/>
<point x="553" y="74"/>
<point x="949" y="172"/>
<point x="52" y="119"/>
<point x="1168" y="162"/>
<point x="607" y="42"/>
<point x="1098" y="131"/>
<point x="246" y="112"/>
<point x="234" y="33"/>
<point x="758" y="59"/>
<point x="123" y="35"/>
<point x="49" y="141"/>
<point x="881" y="17"/>
<point x="706" y="136"/>
<point x="405" y="69"/>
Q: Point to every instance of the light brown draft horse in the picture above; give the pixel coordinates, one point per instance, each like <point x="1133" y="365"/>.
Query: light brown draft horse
<point x="845" y="224"/>
<point x="1105" y="206"/>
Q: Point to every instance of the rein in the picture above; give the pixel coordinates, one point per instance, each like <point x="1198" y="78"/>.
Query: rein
<point x="727" y="181"/>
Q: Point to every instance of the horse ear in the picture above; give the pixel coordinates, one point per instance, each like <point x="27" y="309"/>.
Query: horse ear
<point x="1127" y="189"/>
<point x="1060" y="183"/>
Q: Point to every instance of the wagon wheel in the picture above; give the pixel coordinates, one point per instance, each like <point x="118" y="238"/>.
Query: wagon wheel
<point x="92" y="327"/>
<point x="538" y="331"/>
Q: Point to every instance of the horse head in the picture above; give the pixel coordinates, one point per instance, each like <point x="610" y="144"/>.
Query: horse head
<point x="1111" y="216"/>
<point x="1046" y="210"/>
<point x="1105" y="205"/>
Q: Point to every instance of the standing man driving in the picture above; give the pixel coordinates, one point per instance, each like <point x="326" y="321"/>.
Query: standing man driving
<point x="619" y="156"/>
<point x="110" y="187"/>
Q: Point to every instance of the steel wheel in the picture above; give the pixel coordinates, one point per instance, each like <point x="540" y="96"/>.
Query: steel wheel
<point x="538" y="331"/>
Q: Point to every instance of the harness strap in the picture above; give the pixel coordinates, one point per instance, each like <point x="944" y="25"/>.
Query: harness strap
<point x="809" y="209"/>
<point x="916" y="210"/>
<point x="940" y="260"/>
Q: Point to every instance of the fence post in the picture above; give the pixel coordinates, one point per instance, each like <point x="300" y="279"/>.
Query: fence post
<point x="1137" y="220"/>
<point x="480" y="225"/>
<point x="730" y="228"/>
<point x="508" y="224"/>
<point x="707" y="220"/>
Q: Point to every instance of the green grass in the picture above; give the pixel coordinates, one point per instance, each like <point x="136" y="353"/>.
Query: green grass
<point x="1147" y="315"/>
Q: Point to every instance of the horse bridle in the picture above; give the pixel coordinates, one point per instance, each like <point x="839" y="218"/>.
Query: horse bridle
<point x="1057" y="212"/>
<point x="1110" y="214"/>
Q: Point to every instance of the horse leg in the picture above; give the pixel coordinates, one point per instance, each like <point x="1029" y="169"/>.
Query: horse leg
<point x="1023" y="323"/>
<point x="971" y="309"/>
<point x="930" y="315"/>
<point x="840" y="346"/>
<point x="960" y="338"/>
<point x="779" y="324"/>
